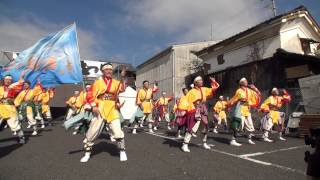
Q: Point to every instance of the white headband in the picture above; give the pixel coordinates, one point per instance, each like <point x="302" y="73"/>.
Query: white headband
<point x="243" y="79"/>
<point x="198" y="78"/>
<point x="107" y="66"/>
<point x="8" y="77"/>
<point x="274" y="89"/>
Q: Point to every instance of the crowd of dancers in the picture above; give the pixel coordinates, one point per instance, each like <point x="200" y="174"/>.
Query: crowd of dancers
<point x="97" y="108"/>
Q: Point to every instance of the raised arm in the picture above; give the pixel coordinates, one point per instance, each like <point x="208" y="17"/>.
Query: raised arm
<point x="286" y="98"/>
<point x="265" y="105"/>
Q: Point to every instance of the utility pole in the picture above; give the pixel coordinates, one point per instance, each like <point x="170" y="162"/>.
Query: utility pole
<point x="274" y="9"/>
<point x="211" y="35"/>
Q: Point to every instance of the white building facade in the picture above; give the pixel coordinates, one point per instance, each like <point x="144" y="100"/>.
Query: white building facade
<point x="170" y="67"/>
<point x="287" y="32"/>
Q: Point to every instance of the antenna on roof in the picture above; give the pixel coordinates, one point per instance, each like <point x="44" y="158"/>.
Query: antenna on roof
<point x="211" y="33"/>
<point x="273" y="7"/>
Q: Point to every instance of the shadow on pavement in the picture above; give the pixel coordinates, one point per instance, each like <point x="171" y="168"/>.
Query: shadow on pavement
<point x="4" y="151"/>
<point x="220" y="139"/>
<point x="112" y="149"/>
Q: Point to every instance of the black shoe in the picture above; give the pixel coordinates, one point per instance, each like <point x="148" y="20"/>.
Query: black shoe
<point x="22" y="140"/>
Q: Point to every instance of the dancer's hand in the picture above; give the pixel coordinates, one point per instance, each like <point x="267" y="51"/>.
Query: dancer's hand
<point x="212" y="79"/>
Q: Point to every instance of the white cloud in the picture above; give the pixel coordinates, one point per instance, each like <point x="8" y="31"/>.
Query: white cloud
<point x="191" y="20"/>
<point x="19" y="33"/>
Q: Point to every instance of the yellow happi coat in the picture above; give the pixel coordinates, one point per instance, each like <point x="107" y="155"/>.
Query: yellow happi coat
<point x="144" y="98"/>
<point x="81" y="100"/>
<point x="183" y="104"/>
<point x="200" y="94"/>
<point x="44" y="99"/>
<point x="8" y="110"/>
<point x="220" y="108"/>
<point x="76" y="101"/>
<point x="104" y="95"/>
<point x="28" y="95"/>
<point x="163" y="101"/>
<point x="272" y="105"/>
<point x="248" y="98"/>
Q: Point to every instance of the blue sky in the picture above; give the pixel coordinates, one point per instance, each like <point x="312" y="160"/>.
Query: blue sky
<point x="132" y="31"/>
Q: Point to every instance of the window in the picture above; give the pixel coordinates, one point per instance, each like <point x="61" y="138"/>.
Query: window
<point x="220" y="59"/>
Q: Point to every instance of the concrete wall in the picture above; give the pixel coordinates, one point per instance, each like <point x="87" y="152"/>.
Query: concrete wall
<point x="183" y="56"/>
<point x="170" y="68"/>
<point x="160" y="70"/>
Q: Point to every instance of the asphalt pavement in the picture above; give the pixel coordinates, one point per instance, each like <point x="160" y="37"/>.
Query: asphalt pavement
<point x="55" y="153"/>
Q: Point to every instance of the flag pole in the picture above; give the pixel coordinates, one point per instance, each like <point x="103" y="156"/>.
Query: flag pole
<point x="83" y="85"/>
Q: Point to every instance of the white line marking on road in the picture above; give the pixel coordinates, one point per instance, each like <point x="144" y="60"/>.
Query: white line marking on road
<point x="245" y="156"/>
<point x="273" y="151"/>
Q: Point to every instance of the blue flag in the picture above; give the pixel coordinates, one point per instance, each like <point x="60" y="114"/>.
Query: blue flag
<point x="53" y="60"/>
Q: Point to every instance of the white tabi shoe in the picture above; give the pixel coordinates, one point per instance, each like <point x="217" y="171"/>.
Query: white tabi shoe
<point x="194" y="135"/>
<point x="185" y="148"/>
<point x="251" y="142"/>
<point x="169" y="128"/>
<point x="206" y="146"/>
<point x="155" y="128"/>
<point x="141" y="125"/>
<point x="151" y="131"/>
<point x="123" y="156"/>
<point x="134" y="131"/>
<point x="266" y="139"/>
<point x="112" y="139"/>
<point x="14" y="133"/>
<point x="29" y="126"/>
<point x="85" y="158"/>
<point x="282" y="139"/>
<point x="235" y="143"/>
<point x="43" y="126"/>
<point x="34" y="133"/>
<point x="215" y="131"/>
<point x="179" y="136"/>
<point x="74" y="133"/>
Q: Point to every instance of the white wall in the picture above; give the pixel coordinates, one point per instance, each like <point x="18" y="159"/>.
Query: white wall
<point x="292" y="30"/>
<point x="241" y="55"/>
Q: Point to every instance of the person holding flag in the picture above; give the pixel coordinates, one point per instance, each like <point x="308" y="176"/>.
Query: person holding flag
<point x="196" y="112"/>
<point x="246" y="97"/>
<point x="104" y="105"/>
<point x="8" y="111"/>
<point x="42" y="106"/>
<point x="26" y="105"/>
